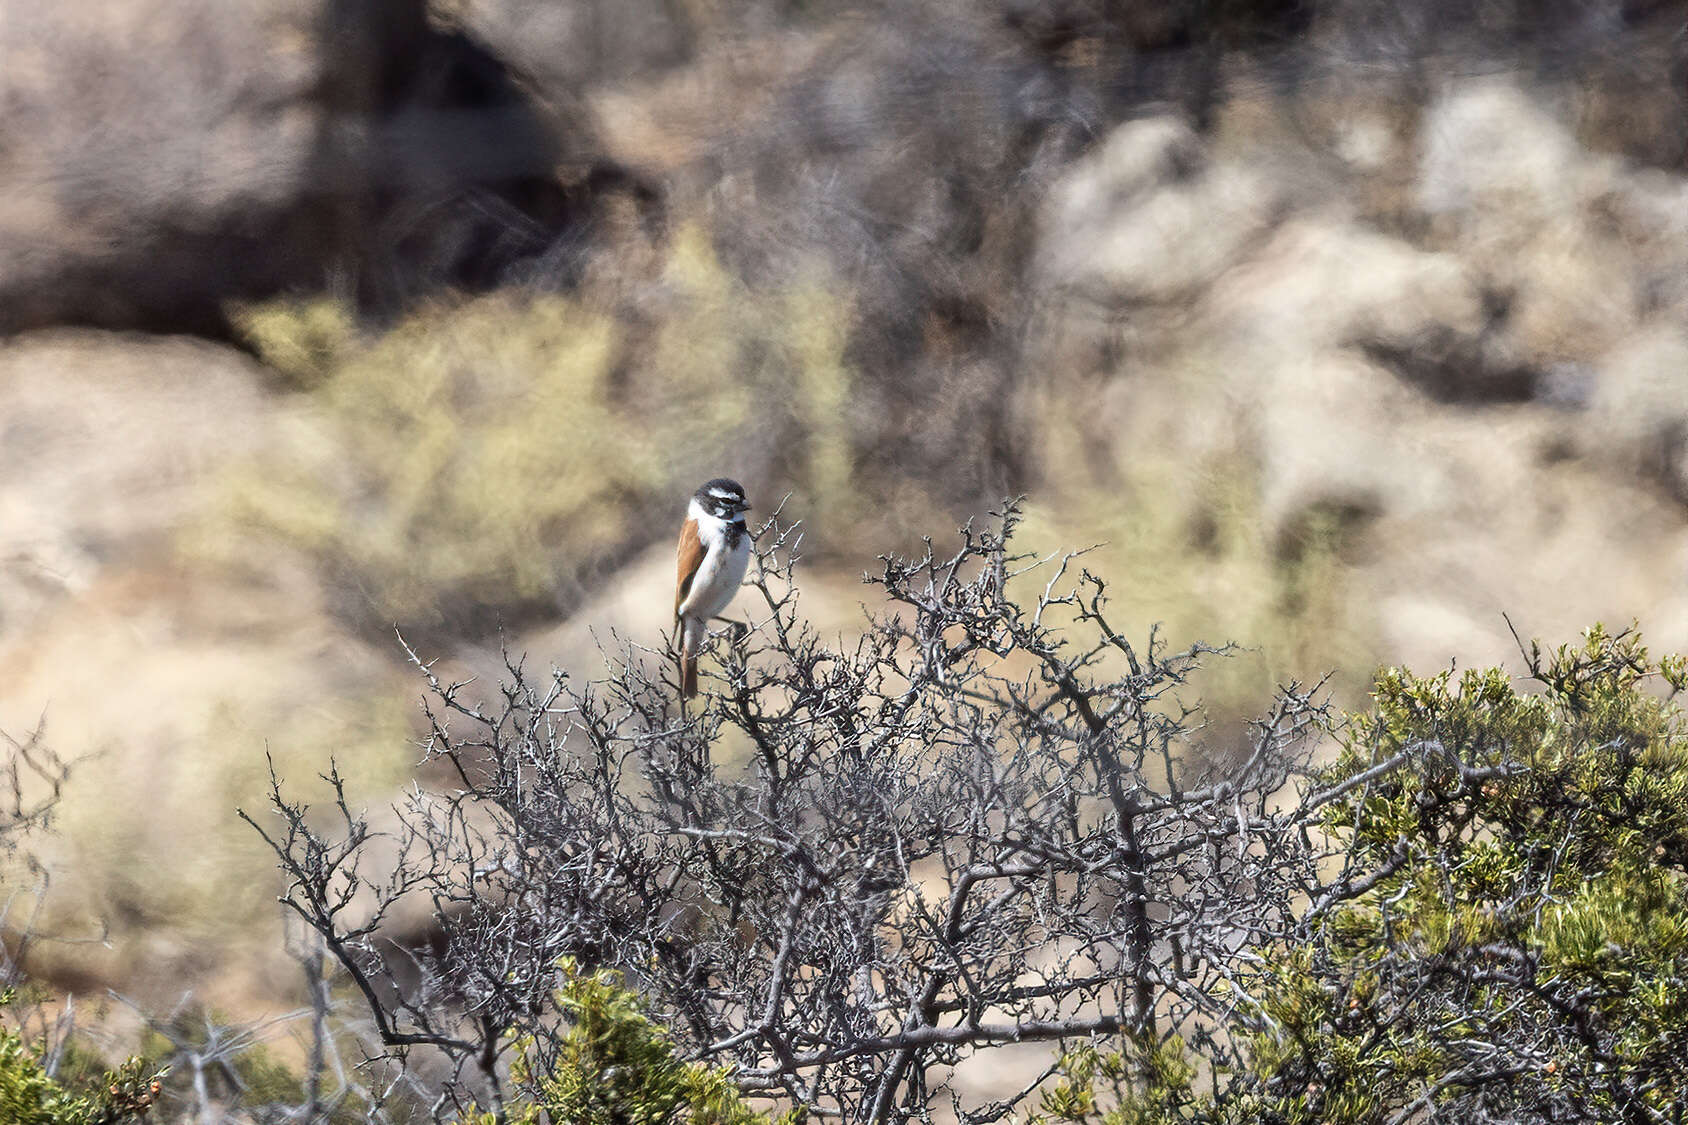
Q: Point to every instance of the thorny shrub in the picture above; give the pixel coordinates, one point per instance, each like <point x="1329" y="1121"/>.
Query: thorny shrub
<point x="992" y="819"/>
<point x="981" y="822"/>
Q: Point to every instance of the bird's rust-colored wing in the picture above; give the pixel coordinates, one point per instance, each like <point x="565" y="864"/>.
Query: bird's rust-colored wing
<point x="688" y="557"/>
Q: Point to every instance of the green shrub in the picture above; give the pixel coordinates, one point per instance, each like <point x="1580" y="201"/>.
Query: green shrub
<point x="31" y="1096"/>
<point x="1145" y="1084"/>
<point x="444" y="462"/>
<point x="617" y="1067"/>
<point x="1507" y="937"/>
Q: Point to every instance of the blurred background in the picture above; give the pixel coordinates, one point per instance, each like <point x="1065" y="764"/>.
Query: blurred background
<point x="1343" y="326"/>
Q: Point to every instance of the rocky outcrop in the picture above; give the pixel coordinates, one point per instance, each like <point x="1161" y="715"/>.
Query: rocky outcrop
<point x="1480" y="406"/>
<point x="1148" y="217"/>
<point x="158" y="161"/>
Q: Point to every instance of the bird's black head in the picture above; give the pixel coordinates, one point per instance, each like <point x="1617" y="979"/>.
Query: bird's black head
<point x="722" y="498"/>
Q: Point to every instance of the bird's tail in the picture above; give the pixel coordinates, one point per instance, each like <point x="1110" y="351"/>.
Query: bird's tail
<point x="688" y="674"/>
<point x="690" y="637"/>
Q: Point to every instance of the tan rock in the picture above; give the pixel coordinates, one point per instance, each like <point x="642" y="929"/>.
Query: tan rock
<point x="1492" y="155"/>
<point x="1332" y="433"/>
<point x="1578" y="245"/>
<point x="1424" y="632"/>
<point x="163" y="680"/>
<point x="1148" y="218"/>
<point x="1575" y="294"/>
<point x="160" y="157"/>
<point x="140" y="144"/>
<point x="1639" y="414"/>
<point x="107" y="443"/>
<point x="167" y="686"/>
<point x="1325" y="281"/>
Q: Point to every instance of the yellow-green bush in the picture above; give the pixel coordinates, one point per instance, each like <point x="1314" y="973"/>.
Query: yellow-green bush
<point x="1514" y="934"/>
<point x="484" y="458"/>
<point x="301" y="340"/>
<point x="31" y="1096"/>
<point x="618" y="1067"/>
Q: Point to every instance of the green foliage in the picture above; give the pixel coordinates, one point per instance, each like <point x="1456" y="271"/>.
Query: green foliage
<point x="1528" y="874"/>
<point x="30" y="1096"/>
<point x="265" y="1080"/>
<point x="617" y="1067"/>
<point x="27" y="1095"/>
<point x="1144" y="1084"/>
<point x="482" y="458"/>
<point x="1510" y="923"/>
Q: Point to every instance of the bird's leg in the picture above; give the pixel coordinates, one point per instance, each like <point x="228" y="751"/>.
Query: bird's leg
<point x="680" y="664"/>
<point x="740" y="629"/>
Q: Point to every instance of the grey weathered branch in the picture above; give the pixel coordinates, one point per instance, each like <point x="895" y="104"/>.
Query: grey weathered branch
<point x="984" y="821"/>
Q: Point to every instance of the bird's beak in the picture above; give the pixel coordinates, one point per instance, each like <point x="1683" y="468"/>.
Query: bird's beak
<point x="743" y="507"/>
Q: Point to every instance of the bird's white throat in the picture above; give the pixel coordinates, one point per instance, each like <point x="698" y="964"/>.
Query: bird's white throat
<point x="710" y="528"/>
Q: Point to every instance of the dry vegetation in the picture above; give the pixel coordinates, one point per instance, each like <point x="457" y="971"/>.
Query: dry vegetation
<point x="483" y="463"/>
<point x="1341" y="328"/>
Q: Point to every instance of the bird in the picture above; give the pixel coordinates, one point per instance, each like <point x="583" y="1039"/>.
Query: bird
<point x="711" y="559"/>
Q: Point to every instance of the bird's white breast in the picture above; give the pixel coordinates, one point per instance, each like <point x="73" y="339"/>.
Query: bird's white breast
<point x="722" y="569"/>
